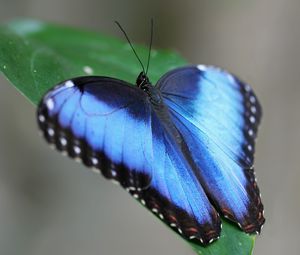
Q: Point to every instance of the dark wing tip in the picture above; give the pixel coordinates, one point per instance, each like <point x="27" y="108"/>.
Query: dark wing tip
<point x="256" y="208"/>
<point x="254" y="224"/>
<point x="253" y="221"/>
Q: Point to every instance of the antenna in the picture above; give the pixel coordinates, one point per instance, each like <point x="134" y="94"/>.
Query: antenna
<point x="150" y="46"/>
<point x="121" y="28"/>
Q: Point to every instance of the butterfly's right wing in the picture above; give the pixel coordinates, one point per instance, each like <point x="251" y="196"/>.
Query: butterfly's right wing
<point x="103" y="122"/>
<point x="218" y="117"/>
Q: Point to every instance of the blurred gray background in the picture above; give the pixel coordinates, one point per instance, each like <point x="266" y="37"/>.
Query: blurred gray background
<point x="51" y="205"/>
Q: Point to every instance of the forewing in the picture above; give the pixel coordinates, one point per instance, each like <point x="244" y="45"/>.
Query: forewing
<point x="103" y="122"/>
<point x="218" y="116"/>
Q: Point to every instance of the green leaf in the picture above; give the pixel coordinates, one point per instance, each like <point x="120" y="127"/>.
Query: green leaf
<point x="34" y="56"/>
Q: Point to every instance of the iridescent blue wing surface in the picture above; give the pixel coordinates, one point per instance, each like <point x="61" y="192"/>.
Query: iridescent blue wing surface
<point x="175" y="194"/>
<point x="100" y="121"/>
<point x="218" y="116"/>
<point x="112" y="126"/>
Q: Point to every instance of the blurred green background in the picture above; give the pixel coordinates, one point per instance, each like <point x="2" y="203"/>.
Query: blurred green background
<point x="51" y="205"/>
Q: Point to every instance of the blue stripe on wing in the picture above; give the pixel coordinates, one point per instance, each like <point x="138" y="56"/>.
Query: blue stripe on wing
<point x="218" y="117"/>
<point x="100" y="121"/>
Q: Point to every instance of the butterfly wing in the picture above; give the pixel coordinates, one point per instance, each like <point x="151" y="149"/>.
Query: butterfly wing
<point x="175" y="195"/>
<point x="218" y="116"/>
<point x="100" y="121"/>
<point x="111" y="125"/>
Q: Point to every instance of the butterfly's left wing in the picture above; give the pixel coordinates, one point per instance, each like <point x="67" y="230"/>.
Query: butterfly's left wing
<point x="218" y="115"/>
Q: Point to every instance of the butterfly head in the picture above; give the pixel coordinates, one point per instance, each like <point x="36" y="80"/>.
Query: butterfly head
<point x="142" y="81"/>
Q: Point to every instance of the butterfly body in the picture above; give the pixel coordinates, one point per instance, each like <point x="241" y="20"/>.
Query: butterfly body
<point x="184" y="147"/>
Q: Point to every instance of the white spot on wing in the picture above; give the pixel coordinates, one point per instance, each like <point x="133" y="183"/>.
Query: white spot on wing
<point x="42" y="118"/>
<point x="250" y="132"/>
<point x="154" y="210"/>
<point x="63" y="141"/>
<point x="247" y="88"/>
<point x="50" y="104"/>
<point x="94" y="161"/>
<point x="202" y="67"/>
<point x="249" y="147"/>
<point x="252" y="119"/>
<point x="50" y="132"/>
<point x="252" y="99"/>
<point x="77" y="150"/>
<point x="69" y="84"/>
<point x="253" y="109"/>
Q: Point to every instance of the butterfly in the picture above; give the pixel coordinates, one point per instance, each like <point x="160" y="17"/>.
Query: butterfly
<point x="184" y="147"/>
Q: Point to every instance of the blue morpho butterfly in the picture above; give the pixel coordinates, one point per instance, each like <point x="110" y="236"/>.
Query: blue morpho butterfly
<point x="184" y="147"/>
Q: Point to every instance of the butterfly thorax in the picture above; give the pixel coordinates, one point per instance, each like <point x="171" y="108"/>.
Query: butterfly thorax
<point x="159" y="107"/>
<point x="153" y="93"/>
